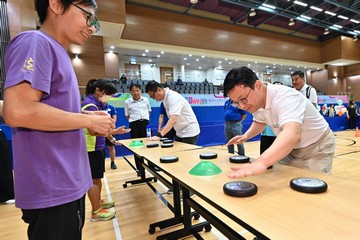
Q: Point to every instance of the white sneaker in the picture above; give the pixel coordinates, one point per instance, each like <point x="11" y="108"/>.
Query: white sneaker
<point x="10" y="201"/>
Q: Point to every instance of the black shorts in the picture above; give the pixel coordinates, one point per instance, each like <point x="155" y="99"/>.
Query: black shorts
<point x="108" y="142"/>
<point x="60" y="222"/>
<point x="97" y="163"/>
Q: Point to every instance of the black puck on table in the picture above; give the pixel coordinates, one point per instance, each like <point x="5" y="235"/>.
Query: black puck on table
<point x="240" y="189"/>
<point x="163" y="139"/>
<point x="208" y="155"/>
<point x="308" y="185"/>
<point x="166" y="145"/>
<point x="152" y="145"/>
<point x="168" y="141"/>
<point x="239" y="159"/>
<point x="169" y="159"/>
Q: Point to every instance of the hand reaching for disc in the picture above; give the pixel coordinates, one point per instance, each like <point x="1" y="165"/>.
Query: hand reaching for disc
<point x="154" y="138"/>
<point x="246" y="170"/>
<point x="237" y="140"/>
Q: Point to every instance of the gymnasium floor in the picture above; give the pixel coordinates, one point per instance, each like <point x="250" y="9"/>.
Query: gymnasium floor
<point x="137" y="206"/>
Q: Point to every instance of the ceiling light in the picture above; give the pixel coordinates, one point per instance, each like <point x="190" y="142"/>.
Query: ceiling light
<point x="326" y="31"/>
<point x="330" y="13"/>
<point x="193" y="1"/>
<point x="306" y="17"/>
<point x="355" y="38"/>
<point x="300" y="3"/>
<point x="316" y="8"/>
<point x="338" y="26"/>
<point x="357" y="31"/>
<point x="268" y="6"/>
<point x="252" y="12"/>
<point x="354" y="21"/>
<point x="343" y="17"/>
<point x="291" y="22"/>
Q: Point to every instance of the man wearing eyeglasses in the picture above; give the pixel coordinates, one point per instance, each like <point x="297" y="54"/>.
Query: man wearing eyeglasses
<point x="42" y="105"/>
<point x="181" y="115"/>
<point x="303" y="137"/>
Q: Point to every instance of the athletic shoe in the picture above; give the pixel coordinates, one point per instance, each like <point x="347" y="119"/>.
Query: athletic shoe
<point x="102" y="215"/>
<point x="10" y="201"/>
<point x="106" y="204"/>
<point x="113" y="165"/>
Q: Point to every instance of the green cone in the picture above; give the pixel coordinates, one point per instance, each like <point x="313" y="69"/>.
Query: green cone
<point x="136" y="143"/>
<point x="205" y="168"/>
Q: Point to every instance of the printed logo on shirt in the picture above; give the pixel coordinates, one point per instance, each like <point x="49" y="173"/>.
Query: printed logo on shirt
<point x="28" y="65"/>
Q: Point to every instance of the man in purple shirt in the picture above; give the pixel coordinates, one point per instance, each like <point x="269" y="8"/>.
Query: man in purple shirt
<point x="42" y="105"/>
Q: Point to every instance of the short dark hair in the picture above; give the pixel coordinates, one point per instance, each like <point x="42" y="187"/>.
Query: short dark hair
<point x="242" y="75"/>
<point x="104" y="85"/>
<point x="41" y="6"/>
<point x="134" y="85"/>
<point x="152" y="86"/>
<point x="298" y="73"/>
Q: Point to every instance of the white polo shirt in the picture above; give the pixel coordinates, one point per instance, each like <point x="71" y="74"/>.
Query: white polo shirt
<point x="175" y="104"/>
<point x="137" y="109"/>
<point x="284" y="105"/>
<point x="313" y="95"/>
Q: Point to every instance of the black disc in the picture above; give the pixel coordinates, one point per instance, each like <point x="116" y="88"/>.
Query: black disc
<point x="239" y="159"/>
<point x="169" y="159"/>
<point x="308" y="185"/>
<point x="168" y="141"/>
<point x="208" y="155"/>
<point x="240" y="189"/>
<point x="163" y="139"/>
<point x="166" y="145"/>
<point x="151" y="145"/>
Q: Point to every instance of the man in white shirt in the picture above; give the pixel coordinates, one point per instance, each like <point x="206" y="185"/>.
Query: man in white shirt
<point x="299" y="84"/>
<point x="303" y="137"/>
<point x="181" y="116"/>
<point x="137" y="110"/>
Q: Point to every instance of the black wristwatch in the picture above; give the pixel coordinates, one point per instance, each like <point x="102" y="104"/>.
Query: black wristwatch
<point x="159" y="135"/>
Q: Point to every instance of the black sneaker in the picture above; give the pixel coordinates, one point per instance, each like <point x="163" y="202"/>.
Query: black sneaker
<point x="113" y="165"/>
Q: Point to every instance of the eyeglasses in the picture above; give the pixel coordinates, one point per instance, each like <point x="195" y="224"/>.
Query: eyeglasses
<point x="91" y="19"/>
<point x="152" y="95"/>
<point x="241" y="101"/>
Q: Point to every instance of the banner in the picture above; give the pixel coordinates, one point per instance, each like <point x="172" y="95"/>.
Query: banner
<point x="332" y="99"/>
<point x="204" y="100"/>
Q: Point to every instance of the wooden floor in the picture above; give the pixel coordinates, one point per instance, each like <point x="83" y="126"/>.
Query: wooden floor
<point x="138" y="206"/>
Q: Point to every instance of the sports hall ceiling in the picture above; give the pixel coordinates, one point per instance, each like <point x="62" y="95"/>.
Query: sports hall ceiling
<point x="339" y="17"/>
<point x="310" y="18"/>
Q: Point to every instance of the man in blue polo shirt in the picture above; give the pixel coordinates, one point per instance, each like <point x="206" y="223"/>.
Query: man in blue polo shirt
<point x="234" y="117"/>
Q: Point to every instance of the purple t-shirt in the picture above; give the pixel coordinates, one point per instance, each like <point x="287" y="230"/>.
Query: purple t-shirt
<point x="51" y="168"/>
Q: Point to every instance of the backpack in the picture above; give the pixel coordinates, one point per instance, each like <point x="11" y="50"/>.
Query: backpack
<point x="308" y="91"/>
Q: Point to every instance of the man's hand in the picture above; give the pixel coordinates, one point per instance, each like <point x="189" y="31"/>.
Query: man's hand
<point x="154" y="138"/>
<point x="246" y="170"/>
<point x="101" y="125"/>
<point x="121" y="130"/>
<point x="237" y="140"/>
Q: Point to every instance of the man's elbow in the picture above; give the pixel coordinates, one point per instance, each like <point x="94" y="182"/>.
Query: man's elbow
<point x="11" y="118"/>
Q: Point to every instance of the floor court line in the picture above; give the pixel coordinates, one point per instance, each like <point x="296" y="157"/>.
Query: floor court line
<point x="114" y="220"/>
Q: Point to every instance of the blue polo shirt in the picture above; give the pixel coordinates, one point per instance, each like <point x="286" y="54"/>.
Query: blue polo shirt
<point x="232" y="113"/>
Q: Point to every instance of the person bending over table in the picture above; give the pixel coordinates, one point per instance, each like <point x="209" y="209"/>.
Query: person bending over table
<point x="181" y="115"/>
<point x="303" y="137"/>
<point x="163" y="118"/>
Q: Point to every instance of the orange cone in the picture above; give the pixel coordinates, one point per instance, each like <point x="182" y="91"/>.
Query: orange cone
<point x="357" y="134"/>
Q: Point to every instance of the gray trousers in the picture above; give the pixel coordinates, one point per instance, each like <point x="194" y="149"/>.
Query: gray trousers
<point x="317" y="156"/>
